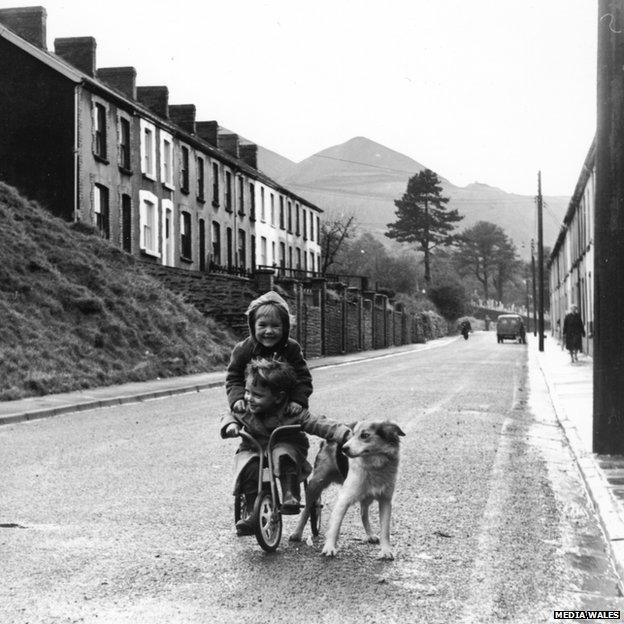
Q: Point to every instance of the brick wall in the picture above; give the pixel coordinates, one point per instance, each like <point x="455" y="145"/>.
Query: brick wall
<point x="353" y="326"/>
<point x="311" y="326"/>
<point x="367" y="325"/>
<point x="349" y="321"/>
<point x="333" y="327"/>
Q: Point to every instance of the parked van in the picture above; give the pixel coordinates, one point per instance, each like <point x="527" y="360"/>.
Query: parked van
<point x="510" y="327"/>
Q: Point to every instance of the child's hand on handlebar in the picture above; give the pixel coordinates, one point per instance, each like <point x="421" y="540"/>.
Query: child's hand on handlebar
<point x="232" y="430"/>
<point x="293" y="409"/>
<point x="239" y="406"/>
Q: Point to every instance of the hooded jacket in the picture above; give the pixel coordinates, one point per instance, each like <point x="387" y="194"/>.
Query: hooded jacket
<point x="287" y="350"/>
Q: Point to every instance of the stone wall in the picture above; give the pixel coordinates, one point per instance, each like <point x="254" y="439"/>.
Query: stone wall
<point x="326" y="320"/>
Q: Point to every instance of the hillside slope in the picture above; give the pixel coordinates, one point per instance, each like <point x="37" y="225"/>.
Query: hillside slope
<point x="76" y="312"/>
<point x="364" y="178"/>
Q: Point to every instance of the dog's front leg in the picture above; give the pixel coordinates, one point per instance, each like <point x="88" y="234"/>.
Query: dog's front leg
<point x="385" y="513"/>
<point x="335" y="521"/>
<point x="372" y="537"/>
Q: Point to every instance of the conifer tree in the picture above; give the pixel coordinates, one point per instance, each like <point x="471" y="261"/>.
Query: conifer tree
<point x="422" y="217"/>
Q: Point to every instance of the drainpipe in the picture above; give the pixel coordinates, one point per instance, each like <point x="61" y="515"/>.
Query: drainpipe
<point x="77" y="93"/>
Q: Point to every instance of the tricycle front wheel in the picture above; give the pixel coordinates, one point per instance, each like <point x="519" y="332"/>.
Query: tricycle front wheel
<point x="268" y="522"/>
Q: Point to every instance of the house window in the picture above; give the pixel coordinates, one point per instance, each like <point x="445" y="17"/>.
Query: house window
<point x="263" y="250"/>
<point x="290" y="258"/>
<point x="100" y="209"/>
<point x="124" y="143"/>
<point x="148" y="150"/>
<point x="305" y="261"/>
<point x="202" y="245"/>
<point x="272" y="209"/>
<point x="167" y="239"/>
<point x="241" y="196"/>
<point x="290" y="216"/>
<point x="318" y="230"/>
<point x="242" y="249"/>
<point x="99" y="147"/>
<point x="185" y="236"/>
<point x="228" y="242"/>
<point x="201" y="181"/>
<point x="311" y="261"/>
<point x="228" y="191"/>
<point x="297" y="220"/>
<point x="282" y="258"/>
<point x="311" y="226"/>
<point x="126" y="223"/>
<point x="184" y="172"/>
<point x="148" y="223"/>
<point x="281" y="212"/>
<point x="215" y="184"/>
<point x="252" y="203"/>
<point x="253" y="252"/>
<point x="304" y="218"/>
<point x="273" y="259"/>
<point x="262" y="206"/>
<point x="298" y="257"/>
<point x="216" y="243"/>
<point x="166" y="162"/>
<point x="318" y="262"/>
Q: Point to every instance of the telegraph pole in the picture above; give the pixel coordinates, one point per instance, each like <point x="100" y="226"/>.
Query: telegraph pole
<point x="540" y="260"/>
<point x="608" y="430"/>
<point x="534" y="288"/>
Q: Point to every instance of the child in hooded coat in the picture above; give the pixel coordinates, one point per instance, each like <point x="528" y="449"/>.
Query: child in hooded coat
<point x="268" y="317"/>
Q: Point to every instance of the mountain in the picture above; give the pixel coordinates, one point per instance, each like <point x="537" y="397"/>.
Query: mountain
<point x="364" y="178"/>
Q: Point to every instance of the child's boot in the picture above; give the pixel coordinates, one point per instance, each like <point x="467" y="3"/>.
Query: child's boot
<point x="291" y="493"/>
<point x="245" y="526"/>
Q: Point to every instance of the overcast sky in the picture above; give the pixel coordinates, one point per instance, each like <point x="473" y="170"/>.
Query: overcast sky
<point x="478" y="90"/>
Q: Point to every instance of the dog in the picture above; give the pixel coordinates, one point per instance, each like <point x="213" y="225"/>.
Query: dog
<point x="367" y="467"/>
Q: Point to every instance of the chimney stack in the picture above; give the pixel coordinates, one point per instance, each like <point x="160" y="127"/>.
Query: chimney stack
<point x="29" y="23"/>
<point x="77" y="51"/>
<point x="123" y="79"/>
<point x="228" y="143"/>
<point x="249" y="154"/>
<point x="208" y="131"/>
<point x="156" y="99"/>
<point x="184" y="116"/>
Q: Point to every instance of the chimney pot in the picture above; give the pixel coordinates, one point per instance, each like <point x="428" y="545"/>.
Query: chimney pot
<point x="122" y="79"/>
<point x="156" y="99"/>
<point x="208" y="131"/>
<point x="29" y="23"/>
<point x="249" y="154"/>
<point x="77" y="51"/>
<point x="229" y="143"/>
<point x="184" y="116"/>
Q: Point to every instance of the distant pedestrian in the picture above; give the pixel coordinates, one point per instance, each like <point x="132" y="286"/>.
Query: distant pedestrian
<point x="269" y="338"/>
<point x="573" y="332"/>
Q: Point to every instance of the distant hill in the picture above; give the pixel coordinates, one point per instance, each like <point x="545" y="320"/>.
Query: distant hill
<point x="77" y="312"/>
<point x="364" y="178"/>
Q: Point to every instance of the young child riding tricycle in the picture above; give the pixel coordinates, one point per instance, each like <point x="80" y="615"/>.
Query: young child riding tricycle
<point x="268" y="388"/>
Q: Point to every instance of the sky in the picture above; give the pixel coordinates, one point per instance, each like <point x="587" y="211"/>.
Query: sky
<point x="484" y="91"/>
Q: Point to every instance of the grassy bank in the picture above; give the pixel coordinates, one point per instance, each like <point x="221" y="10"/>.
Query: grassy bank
<point x="76" y="312"/>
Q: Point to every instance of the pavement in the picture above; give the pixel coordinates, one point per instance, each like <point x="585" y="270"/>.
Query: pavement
<point x="569" y="386"/>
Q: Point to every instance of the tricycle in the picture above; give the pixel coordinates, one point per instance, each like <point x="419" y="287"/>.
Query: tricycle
<point x="267" y="511"/>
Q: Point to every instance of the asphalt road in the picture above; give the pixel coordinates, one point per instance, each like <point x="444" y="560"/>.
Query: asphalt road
<point x="124" y="515"/>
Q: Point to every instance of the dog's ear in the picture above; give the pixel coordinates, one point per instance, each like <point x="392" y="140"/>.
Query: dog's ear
<point x="390" y="431"/>
<point x="352" y="425"/>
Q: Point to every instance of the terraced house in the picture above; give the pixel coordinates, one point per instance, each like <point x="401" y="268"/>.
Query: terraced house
<point x="92" y="146"/>
<point x="572" y="258"/>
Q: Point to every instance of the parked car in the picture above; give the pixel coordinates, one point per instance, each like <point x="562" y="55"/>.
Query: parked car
<point x="510" y="327"/>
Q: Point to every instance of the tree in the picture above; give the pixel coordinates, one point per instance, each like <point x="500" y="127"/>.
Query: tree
<point x="485" y="251"/>
<point x="422" y="217"/>
<point x="450" y="299"/>
<point x="334" y="234"/>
